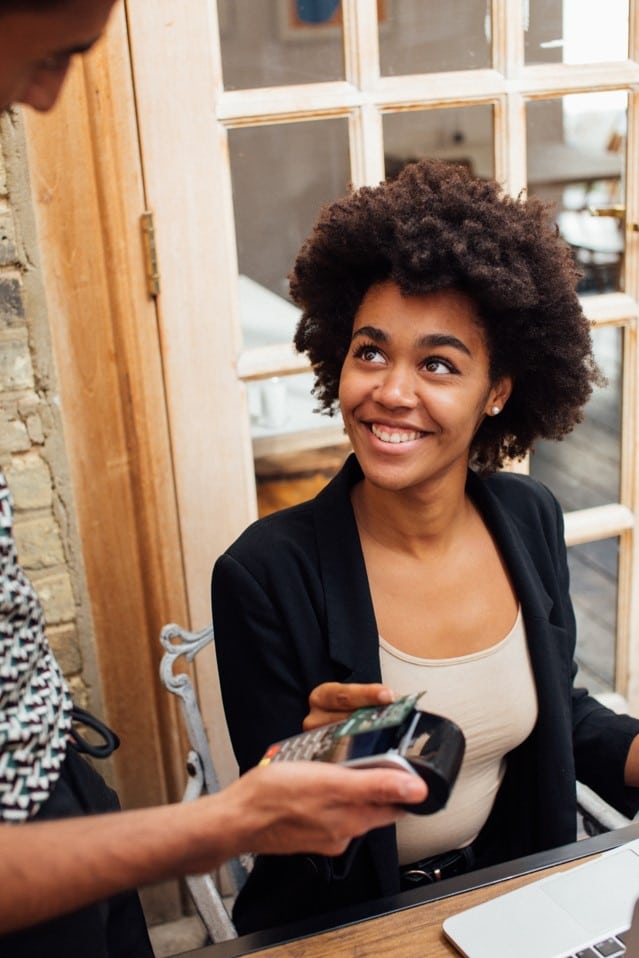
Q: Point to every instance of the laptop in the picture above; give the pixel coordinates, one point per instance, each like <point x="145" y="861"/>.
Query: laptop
<point x="590" y="911"/>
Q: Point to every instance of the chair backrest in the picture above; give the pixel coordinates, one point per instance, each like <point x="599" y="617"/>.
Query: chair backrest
<point x="201" y="775"/>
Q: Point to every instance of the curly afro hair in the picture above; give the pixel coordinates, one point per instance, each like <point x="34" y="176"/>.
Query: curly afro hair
<point x="436" y="227"/>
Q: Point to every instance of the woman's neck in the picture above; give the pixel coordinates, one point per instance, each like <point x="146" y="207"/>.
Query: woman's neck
<point x="410" y="520"/>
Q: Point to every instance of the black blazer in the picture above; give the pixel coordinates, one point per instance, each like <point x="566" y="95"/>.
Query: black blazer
<point x="292" y="608"/>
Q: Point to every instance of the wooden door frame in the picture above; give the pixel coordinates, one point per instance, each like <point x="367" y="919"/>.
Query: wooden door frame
<point x="88" y="195"/>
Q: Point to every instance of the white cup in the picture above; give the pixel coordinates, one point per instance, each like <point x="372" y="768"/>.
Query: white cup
<point x="273" y="402"/>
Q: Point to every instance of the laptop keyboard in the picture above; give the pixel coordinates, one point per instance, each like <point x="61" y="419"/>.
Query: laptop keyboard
<point x="608" y="948"/>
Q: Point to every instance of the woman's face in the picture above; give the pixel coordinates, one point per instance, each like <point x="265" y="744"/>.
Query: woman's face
<point x="415" y="385"/>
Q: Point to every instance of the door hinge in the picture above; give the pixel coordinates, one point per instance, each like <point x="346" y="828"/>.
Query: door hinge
<point x="150" y="254"/>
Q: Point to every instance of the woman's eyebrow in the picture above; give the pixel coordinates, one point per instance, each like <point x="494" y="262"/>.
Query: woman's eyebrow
<point x="443" y="339"/>
<point x="430" y="341"/>
<point x="378" y="335"/>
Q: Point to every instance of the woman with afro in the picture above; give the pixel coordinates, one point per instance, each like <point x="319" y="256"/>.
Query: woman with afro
<point x="441" y="317"/>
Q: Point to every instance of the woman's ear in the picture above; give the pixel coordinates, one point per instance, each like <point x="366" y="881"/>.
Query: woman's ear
<point x="499" y="395"/>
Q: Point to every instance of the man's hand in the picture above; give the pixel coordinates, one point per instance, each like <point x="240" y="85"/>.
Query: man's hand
<point x="334" y="701"/>
<point x="289" y="807"/>
<point x="282" y="808"/>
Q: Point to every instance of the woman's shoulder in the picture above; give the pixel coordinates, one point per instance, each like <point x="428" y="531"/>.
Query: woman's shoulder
<point x="296" y="527"/>
<point x="271" y="532"/>
<point x="521" y="495"/>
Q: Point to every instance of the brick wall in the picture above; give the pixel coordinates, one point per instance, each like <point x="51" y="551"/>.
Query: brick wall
<point x="31" y="439"/>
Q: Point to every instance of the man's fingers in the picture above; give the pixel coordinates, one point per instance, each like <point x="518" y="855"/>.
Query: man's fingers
<point x="388" y="787"/>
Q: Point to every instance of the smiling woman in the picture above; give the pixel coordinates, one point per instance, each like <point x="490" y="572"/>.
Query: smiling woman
<point x="440" y="315"/>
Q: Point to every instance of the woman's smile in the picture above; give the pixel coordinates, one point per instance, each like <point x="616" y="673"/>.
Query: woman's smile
<point x="394" y="434"/>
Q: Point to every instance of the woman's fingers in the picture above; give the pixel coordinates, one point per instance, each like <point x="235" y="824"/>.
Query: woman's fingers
<point x="334" y="701"/>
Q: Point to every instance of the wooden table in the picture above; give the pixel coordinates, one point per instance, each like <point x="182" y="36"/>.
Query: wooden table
<point x="409" y="925"/>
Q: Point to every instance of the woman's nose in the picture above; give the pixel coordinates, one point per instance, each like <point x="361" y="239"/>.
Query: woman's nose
<point x="397" y="388"/>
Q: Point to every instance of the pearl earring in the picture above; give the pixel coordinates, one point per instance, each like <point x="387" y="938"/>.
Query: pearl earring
<point x="495" y="410"/>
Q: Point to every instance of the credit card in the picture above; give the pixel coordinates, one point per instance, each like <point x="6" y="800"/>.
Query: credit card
<point x="375" y="717"/>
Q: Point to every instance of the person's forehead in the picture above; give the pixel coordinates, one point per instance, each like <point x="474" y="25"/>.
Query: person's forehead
<point x="68" y="26"/>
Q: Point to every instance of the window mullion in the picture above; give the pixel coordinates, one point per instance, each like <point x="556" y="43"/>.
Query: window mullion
<point x="361" y="42"/>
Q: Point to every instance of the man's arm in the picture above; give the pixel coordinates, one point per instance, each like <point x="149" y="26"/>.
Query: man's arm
<point x="50" y="868"/>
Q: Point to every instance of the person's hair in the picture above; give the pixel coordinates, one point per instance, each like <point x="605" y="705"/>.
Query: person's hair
<point x="29" y="6"/>
<point x="436" y="227"/>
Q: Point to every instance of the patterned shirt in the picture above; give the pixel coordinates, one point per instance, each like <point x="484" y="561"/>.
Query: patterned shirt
<point x="35" y="703"/>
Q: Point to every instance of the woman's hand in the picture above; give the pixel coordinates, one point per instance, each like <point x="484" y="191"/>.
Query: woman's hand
<point x="334" y="701"/>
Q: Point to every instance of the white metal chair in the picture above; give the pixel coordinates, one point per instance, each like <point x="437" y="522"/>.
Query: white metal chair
<point x="596" y="815"/>
<point x="202" y="777"/>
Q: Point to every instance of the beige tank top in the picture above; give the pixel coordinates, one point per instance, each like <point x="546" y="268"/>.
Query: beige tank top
<point x="491" y="695"/>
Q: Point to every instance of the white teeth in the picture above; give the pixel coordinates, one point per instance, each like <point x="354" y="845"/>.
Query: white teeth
<point x="385" y="436"/>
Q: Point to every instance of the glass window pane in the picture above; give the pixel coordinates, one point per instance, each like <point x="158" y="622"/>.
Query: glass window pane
<point x="277" y="42"/>
<point x="593" y="586"/>
<point x="576" y="147"/>
<point x="583" y="469"/>
<point x="459" y="135"/>
<point x="282" y="410"/>
<point x="576" y="31"/>
<point x="281" y="176"/>
<point x="420" y="37"/>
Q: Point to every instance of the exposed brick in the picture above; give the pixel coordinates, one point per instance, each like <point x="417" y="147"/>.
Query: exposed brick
<point x="11" y="302"/>
<point x="16" y="370"/>
<point x="56" y="596"/>
<point x="28" y="404"/>
<point x="39" y="543"/>
<point x="79" y="691"/>
<point x="13" y="434"/>
<point x="35" y="430"/>
<point x="30" y="482"/>
<point x="8" y="252"/>
<point x="63" y="640"/>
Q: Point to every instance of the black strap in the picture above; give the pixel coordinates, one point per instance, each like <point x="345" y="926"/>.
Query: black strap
<point x="110" y="739"/>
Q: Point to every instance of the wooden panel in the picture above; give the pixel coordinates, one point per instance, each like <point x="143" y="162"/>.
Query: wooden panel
<point x="628" y="612"/>
<point x="187" y="178"/>
<point x="88" y="192"/>
<point x="600" y="522"/>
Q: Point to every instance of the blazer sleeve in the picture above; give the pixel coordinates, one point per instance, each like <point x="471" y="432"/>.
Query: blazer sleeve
<point x="601" y="738"/>
<point x="257" y="633"/>
<point x="601" y="743"/>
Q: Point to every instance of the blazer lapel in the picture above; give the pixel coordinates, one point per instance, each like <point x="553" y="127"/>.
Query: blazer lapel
<point x="351" y="626"/>
<point x="531" y="591"/>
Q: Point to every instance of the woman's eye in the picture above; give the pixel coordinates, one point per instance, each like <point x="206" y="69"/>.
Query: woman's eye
<point x="370" y="354"/>
<point x="439" y="366"/>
